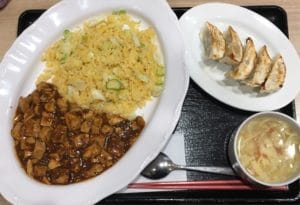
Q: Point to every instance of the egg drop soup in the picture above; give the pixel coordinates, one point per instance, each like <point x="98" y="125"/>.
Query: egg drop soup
<point x="268" y="148"/>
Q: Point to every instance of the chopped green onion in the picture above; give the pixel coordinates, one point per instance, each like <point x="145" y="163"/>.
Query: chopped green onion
<point x="160" y="80"/>
<point x="63" y="59"/>
<point x="142" y="45"/>
<point x="160" y="71"/>
<point x="114" y="84"/>
<point x="119" y="12"/>
<point x="84" y="38"/>
<point x="67" y="33"/>
<point x="107" y="45"/>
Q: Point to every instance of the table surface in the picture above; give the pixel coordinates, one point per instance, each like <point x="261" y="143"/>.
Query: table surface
<point x="9" y="20"/>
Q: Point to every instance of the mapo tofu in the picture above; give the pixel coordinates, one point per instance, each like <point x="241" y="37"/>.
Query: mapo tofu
<point x="58" y="142"/>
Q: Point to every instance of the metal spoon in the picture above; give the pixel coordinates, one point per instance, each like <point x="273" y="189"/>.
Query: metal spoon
<point x="162" y="165"/>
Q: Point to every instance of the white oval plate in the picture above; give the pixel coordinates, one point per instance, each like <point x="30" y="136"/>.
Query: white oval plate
<point x="21" y="65"/>
<point x="210" y="75"/>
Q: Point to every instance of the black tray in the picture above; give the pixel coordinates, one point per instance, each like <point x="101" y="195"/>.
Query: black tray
<point x="207" y="124"/>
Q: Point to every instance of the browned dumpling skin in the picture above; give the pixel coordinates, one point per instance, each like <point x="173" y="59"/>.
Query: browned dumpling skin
<point x="244" y="69"/>
<point x="234" y="48"/>
<point x="262" y="68"/>
<point x="276" y="77"/>
<point x="214" y="42"/>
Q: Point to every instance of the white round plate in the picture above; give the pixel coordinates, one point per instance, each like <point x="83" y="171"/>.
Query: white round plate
<point x="21" y="66"/>
<point x="209" y="75"/>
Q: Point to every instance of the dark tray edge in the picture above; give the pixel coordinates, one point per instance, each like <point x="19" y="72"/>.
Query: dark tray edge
<point x="135" y="200"/>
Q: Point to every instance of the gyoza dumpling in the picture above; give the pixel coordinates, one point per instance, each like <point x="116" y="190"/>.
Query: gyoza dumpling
<point x="234" y="48"/>
<point x="214" y="42"/>
<point x="276" y="77"/>
<point x="244" y="69"/>
<point x="262" y="69"/>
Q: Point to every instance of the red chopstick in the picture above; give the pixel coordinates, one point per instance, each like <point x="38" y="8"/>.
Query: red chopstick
<point x="201" y="185"/>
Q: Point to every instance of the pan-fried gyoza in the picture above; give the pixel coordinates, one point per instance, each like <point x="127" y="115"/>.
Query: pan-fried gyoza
<point x="262" y="68"/>
<point x="214" y="42"/>
<point x="276" y="77"/>
<point x="234" y="48"/>
<point x="243" y="70"/>
<point x="249" y="68"/>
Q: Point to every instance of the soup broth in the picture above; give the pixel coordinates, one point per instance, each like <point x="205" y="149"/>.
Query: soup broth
<point x="268" y="148"/>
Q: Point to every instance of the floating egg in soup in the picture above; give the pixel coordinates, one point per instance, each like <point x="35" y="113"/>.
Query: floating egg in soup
<point x="269" y="149"/>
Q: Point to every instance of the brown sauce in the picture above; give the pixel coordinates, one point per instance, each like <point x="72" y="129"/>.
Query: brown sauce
<point x="61" y="143"/>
